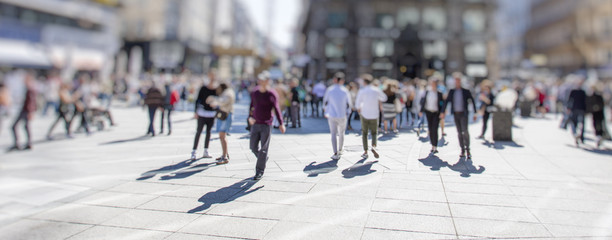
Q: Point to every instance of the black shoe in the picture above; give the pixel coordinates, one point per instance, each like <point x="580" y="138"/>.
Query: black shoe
<point x="258" y="176"/>
<point x="469" y="155"/>
<point x="28" y="147"/>
<point x="435" y="151"/>
<point x="462" y="154"/>
<point x="480" y="137"/>
<point x="169" y="132"/>
<point x="14" y="148"/>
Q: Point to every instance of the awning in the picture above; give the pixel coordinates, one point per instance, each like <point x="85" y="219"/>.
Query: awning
<point x="24" y="54"/>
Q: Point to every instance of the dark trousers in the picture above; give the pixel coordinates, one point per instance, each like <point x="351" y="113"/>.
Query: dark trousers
<point x="23" y="116"/>
<point x="485" y="121"/>
<point x="259" y="143"/>
<point x="83" y="115"/>
<point x="314" y="104"/>
<point x="203" y="121"/>
<point x="152" y="110"/>
<point x="598" y="123"/>
<point x="577" y="120"/>
<point x="61" y="115"/>
<point x="461" y="122"/>
<point x="350" y="117"/>
<point x="166" y="113"/>
<point x="296" y="119"/>
<point x="433" y="122"/>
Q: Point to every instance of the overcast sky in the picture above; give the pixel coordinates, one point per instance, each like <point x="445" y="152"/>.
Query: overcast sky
<point x="284" y="18"/>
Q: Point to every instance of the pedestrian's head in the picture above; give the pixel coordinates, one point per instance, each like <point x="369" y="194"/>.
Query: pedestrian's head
<point x="486" y="85"/>
<point x="433" y="81"/>
<point x="263" y="79"/>
<point x="29" y="80"/>
<point x="458" y="79"/>
<point x="295" y="82"/>
<point x="367" y="79"/>
<point x="339" y="78"/>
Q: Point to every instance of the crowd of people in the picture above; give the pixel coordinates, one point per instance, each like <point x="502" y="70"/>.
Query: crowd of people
<point x="381" y="105"/>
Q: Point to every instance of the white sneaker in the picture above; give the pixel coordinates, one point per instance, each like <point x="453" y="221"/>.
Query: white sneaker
<point x="193" y="155"/>
<point x="340" y="152"/>
<point x="364" y="156"/>
<point x="206" y="155"/>
<point x="335" y="157"/>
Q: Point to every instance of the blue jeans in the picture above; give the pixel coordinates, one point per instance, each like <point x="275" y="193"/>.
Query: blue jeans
<point x="224" y="125"/>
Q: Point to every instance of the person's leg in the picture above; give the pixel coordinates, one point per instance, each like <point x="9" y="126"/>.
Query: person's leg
<point x="299" y="116"/>
<point x="386" y="125"/>
<point x="169" y="112"/>
<point x="395" y="124"/>
<point x="199" y="128"/>
<point x="163" y="112"/>
<point x="430" y="126"/>
<point x="485" y="120"/>
<point x="262" y="157"/>
<point x="374" y="131"/>
<point x="433" y="132"/>
<point x="14" y="128"/>
<point x="26" y="127"/>
<point x="348" y="120"/>
<point x="59" y="117"/>
<point x="333" y="129"/>
<point x="151" y="118"/>
<point x="458" y="117"/>
<point x="364" y="134"/>
<point x="294" y="114"/>
<point x="209" y="124"/>
<point x="465" y="133"/>
<point x="223" y="143"/>
<point x="254" y="139"/>
<point x="581" y="125"/>
<point x="341" y="122"/>
<point x="67" y="123"/>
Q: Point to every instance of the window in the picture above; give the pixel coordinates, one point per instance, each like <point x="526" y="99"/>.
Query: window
<point x="434" y="18"/>
<point x="334" y="48"/>
<point x="473" y="21"/>
<point x="475" y="51"/>
<point x="407" y="16"/>
<point x="382" y="47"/>
<point x="384" y="21"/>
<point x="336" y="20"/>
<point x="435" y="48"/>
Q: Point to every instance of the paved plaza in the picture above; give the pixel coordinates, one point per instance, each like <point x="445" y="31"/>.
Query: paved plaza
<point x="117" y="184"/>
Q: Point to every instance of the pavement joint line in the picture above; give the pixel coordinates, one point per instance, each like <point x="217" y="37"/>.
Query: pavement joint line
<point x="410" y="231"/>
<point x="450" y="211"/>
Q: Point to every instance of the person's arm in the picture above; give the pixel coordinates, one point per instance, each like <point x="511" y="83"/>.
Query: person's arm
<point x="448" y="99"/>
<point x="358" y="102"/>
<point x="382" y="97"/>
<point x="422" y="101"/>
<point x="349" y="101"/>
<point x="471" y="98"/>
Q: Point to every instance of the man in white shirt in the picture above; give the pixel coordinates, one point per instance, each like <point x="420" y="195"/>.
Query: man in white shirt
<point x="368" y="105"/>
<point x="337" y="104"/>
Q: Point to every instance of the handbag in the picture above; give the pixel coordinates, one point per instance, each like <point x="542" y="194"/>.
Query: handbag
<point x="221" y="115"/>
<point x="398" y="106"/>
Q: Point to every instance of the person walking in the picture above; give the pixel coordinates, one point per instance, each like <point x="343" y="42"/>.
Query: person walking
<point x="154" y="100"/>
<point x="458" y="99"/>
<point x="205" y="114"/>
<point x="224" y="103"/>
<point x="389" y="107"/>
<point x="170" y="99"/>
<point x="368" y="105"/>
<point x="487" y="99"/>
<point x="576" y="103"/>
<point x="264" y="102"/>
<point x="296" y="120"/>
<point x="337" y="104"/>
<point x="595" y="104"/>
<point x="66" y="102"/>
<point x="5" y="103"/>
<point x="318" y="92"/>
<point x="432" y="104"/>
<point x="50" y="95"/>
<point x="26" y="114"/>
<point x="353" y="89"/>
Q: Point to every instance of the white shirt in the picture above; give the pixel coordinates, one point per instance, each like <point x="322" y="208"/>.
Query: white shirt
<point x="368" y="99"/>
<point x="337" y="101"/>
<point x="319" y="90"/>
<point x="431" y="103"/>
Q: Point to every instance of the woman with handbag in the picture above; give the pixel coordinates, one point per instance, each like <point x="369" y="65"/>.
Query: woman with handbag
<point x="225" y="109"/>
<point x="205" y="114"/>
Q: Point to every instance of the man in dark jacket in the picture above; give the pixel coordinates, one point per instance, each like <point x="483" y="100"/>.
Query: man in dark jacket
<point x="26" y="114"/>
<point x="458" y="99"/>
<point x="154" y="100"/>
<point x="576" y="104"/>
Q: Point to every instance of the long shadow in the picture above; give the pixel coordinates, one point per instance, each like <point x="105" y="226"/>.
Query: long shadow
<point x="165" y="169"/>
<point x="605" y="151"/>
<point x="387" y="137"/>
<point x="226" y="194"/>
<point x="141" y="138"/>
<point x="360" y="168"/>
<point x="322" y="168"/>
<point x="501" y="144"/>
<point x="185" y="173"/>
<point x="442" y="142"/>
<point x="464" y="166"/>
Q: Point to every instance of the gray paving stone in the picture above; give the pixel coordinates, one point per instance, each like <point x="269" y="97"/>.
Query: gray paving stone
<point x="300" y="230"/>
<point x="414" y="207"/>
<point x="484" y="199"/>
<point x="28" y="229"/>
<point x="78" y="213"/>
<point x="330" y="216"/>
<point x="151" y="220"/>
<point x="250" y="210"/>
<point x="172" y="204"/>
<point x="492" y="212"/>
<point x="573" y="218"/>
<point x="188" y="236"/>
<point x="411" y="194"/>
<point x="111" y="233"/>
<point x="564" y="231"/>
<point x="229" y="226"/>
<point x="499" y="229"/>
<point x="411" y="222"/>
<point x="115" y="199"/>
<point x="372" y="234"/>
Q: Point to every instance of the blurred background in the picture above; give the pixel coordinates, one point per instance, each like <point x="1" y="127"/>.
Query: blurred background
<point x="120" y="43"/>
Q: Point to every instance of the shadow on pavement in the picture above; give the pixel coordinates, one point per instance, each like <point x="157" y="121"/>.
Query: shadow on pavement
<point x="141" y="138"/>
<point x="187" y="172"/>
<point x="501" y="144"/>
<point x="464" y="166"/>
<point x="322" y="168"/>
<point x="226" y="194"/>
<point x="165" y="169"/>
<point x="183" y="169"/>
<point x="360" y="168"/>
<point x="387" y="137"/>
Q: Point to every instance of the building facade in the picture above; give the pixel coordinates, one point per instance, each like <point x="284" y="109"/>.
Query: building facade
<point x="396" y="38"/>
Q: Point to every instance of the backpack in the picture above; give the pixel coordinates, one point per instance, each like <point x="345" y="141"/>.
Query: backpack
<point x="301" y="94"/>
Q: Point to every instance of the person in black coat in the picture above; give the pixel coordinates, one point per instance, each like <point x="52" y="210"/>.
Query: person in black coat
<point x="486" y="98"/>
<point x="154" y="100"/>
<point x="458" y="99"/>
<point x="576" y="104"/>
<point x="595" y="106"/>
<point x="431" y="105"/>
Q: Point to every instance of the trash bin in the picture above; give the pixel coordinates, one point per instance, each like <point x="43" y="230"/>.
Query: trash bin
<point x="502" y="125"/>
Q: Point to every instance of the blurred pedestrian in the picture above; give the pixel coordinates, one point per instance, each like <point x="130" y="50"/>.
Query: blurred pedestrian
<point x="225" y="104"/>
<point x="416" y="105"/>
<point x="318" y="92"/>
<point x="205" y="114"/>
<point x="307" y="98"/>
<point x="458" y="99"/>
<point x="82" y="96"/>
<point x="5" y="103"/>
<point x="576" y="104"/>
<point x="595" y="106"/>
<point x="296" y="98"/>
<point x="353" y="89"/>
<point x="283" y="100"/>
<point x="389" y="107"/>
<point x="337" y="104"/>
<point x="368" y="105"/>
<point x="51" y="89"/>
<point x="170" y="99"/>
<point x="487" y="99"/>
<point x="432" y="104"/>
<point x="264" y="101"/>
<point x="26" y="114"/>
<point x="65" y="106"/>
<point x="154" y="100"/>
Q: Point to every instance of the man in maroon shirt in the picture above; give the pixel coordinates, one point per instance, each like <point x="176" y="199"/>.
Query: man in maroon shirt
<point x="264" y="100"/>
<point x="27" y="112"/>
